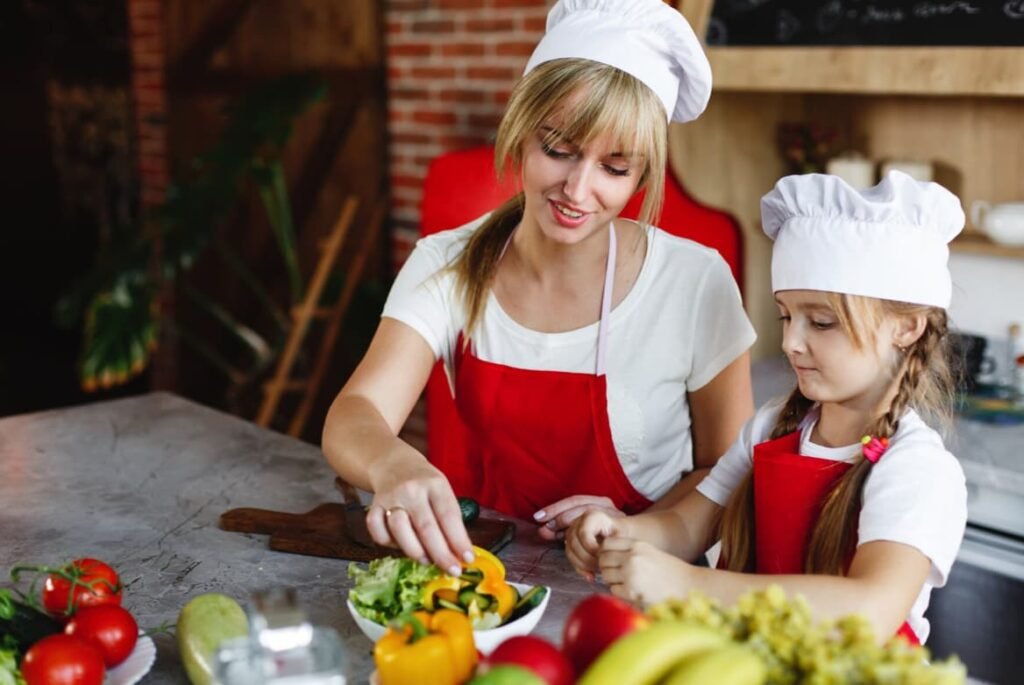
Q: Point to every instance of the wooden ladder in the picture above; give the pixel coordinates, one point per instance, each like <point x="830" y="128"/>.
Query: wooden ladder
<point x="309" y="309"/>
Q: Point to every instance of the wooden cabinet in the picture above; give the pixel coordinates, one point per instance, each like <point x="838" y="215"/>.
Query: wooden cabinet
<point x="962" y="109"/>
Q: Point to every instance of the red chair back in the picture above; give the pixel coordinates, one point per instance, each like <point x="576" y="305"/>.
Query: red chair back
<point x="461" y="186"/>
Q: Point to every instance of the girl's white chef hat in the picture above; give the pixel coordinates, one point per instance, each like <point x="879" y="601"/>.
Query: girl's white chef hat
<point x="889" y="241"/>
<point x="645" y="38"/>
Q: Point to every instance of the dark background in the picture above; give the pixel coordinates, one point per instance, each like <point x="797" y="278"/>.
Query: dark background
<point x="867" y="22"/>
<point x="50" y="235"/>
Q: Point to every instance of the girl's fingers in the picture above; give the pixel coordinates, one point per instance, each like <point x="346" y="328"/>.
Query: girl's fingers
<point x="580" y="558"/>
<point x="614" y="543"/>
<point x="620" y="591"/>
<point x="610" y="560"/>
<point x="613" y="576"/>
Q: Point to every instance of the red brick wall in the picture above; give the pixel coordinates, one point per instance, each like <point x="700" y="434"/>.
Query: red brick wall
<point x="451" y="65"/>
<point x="146" y="30"/>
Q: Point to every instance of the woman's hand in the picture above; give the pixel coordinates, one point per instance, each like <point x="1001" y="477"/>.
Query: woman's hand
<point x="583" y="541"/>
<point x="557" y="517"/>
<point x="641" y="573"/>
<point x="415" y="509"/>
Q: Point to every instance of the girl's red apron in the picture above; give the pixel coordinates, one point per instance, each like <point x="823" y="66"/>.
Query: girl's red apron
<point x="536" y="437"/>
<point x="789" y="493"/>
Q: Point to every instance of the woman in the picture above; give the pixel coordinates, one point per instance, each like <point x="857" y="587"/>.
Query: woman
<point x="594" y="360"/>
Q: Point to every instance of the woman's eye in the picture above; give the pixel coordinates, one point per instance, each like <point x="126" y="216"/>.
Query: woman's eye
<point x="555" y="152"/>
<point x="616" y="171"/>
<point x="823" y="325"/>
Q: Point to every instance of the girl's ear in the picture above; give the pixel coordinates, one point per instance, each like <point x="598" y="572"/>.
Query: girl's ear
<point x="908" y="330"/>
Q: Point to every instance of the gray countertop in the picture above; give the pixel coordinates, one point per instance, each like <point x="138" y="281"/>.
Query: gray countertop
<point x="141" y="482"/>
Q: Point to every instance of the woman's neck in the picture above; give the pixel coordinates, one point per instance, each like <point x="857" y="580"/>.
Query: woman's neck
<point x="550" y="263"/>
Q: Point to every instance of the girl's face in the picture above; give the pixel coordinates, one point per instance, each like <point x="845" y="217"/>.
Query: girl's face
<point x="829" y="367"/>
<point x="571" y="192"/>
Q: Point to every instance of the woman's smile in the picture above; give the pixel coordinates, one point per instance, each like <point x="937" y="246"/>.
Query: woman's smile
<point x="567" y="215"/>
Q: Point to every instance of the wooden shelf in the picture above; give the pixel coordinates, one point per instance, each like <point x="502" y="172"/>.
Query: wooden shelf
<point x="875" y="70"/>
<point x="975" y="242"/>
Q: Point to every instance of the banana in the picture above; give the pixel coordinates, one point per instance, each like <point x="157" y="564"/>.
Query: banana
<point x="645" y="656"/>
<point x="730" y="665"/>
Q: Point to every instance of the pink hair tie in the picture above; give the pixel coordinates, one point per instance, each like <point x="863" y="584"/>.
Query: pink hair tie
<point x="874" y="448"/>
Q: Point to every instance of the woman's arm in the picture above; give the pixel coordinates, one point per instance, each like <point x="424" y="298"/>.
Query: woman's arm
<point x="884" y="580"/>
<point x="360" y="442"/>
<point x="717" y="411"/>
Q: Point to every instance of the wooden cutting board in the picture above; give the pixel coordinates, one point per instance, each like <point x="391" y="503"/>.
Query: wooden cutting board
<point x="321" y="532"/>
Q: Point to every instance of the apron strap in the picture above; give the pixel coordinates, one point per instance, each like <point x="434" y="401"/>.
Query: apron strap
<point x="606" y="296"/>
<point x="606" y="302"/>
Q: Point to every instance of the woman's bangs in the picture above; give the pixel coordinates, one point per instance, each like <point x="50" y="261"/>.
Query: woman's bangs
<point x="611" y="112"/>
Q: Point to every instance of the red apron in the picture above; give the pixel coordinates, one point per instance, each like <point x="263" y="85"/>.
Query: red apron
<point x="789" y="492"/>
<point x="535" y="437"/>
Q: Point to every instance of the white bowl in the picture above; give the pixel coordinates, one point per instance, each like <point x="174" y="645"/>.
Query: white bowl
<point x="486" y="640"/>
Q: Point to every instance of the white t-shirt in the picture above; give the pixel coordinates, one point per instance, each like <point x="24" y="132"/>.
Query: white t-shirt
<point x="915" y="495"/>
<point x="677" y="328"/>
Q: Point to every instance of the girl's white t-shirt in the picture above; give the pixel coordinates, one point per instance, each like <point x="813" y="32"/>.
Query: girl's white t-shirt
<point x="678" y="327"/>
<point x="915" y="495"/>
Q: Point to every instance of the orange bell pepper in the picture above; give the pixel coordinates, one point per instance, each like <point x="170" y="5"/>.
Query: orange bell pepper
<point x="446" y="582"/>
<point x="493" y="582"/>
<point x="439" y="644"/>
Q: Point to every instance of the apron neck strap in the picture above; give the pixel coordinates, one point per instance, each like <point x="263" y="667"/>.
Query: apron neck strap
<point x="606" y="302"/>
<point x="606" y="296"/>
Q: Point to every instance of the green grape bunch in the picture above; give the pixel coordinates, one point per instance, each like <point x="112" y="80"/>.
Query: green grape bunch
<point x="797" y="650"/>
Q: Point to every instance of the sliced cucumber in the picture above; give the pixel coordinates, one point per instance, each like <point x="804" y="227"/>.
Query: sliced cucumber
<point x="445" y="604"/>
<point x="472" y="575"/>
<point x="530" y="599"/>
<point x="470" y="595"/>
<point x="470" y="509"/>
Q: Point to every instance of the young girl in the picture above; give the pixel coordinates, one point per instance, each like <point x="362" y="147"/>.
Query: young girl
<point x="841" y="492"/>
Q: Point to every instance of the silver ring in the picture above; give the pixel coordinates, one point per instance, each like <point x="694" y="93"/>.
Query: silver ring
<point x="387" y="512"/>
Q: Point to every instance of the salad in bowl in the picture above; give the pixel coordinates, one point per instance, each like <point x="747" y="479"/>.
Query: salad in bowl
<point x="396" y="586"/>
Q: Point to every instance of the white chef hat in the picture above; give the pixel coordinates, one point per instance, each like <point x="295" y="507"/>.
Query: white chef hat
<point x="889" y="241"/>
<point x="647" y="39"/>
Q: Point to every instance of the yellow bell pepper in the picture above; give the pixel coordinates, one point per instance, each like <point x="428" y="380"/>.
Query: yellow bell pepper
<point x="493" y="582"/>
<point x="445" y="582"/>
<point x="439" y="644"/>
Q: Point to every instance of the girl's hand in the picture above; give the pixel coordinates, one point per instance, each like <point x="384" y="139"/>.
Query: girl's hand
<point x="641" y="573"/>
<point x="415" y="509"/>
<point x="557" y="517"/>
<point x="583" y="541"/>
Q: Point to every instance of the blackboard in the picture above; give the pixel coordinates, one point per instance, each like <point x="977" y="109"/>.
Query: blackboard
<point x="867" y="22"/>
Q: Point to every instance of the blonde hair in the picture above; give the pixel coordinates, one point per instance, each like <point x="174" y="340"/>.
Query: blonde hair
<point x="923" y="381"/>
<point x="606" y="101"/>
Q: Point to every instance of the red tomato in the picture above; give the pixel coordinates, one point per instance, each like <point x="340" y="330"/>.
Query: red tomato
<point x="109" y="628"/>
<point x="537" y="655"/>
<point x="62" y="660"/>
<point x="594" y="624"/>
<point x="94" y="584"/>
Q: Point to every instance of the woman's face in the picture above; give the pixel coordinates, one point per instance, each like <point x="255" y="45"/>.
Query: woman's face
<point x="571" y="192"/>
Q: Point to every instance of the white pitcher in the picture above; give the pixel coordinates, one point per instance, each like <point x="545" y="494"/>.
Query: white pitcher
<point x="1004" y="223"/>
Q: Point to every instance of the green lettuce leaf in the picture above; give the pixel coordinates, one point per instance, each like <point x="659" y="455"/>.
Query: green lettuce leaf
<point x="389" y="587"/>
